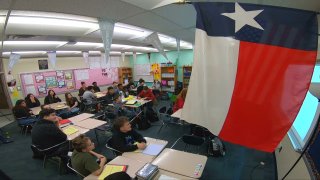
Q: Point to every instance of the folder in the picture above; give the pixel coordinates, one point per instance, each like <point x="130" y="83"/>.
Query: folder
<point x="110" y="169"/>
<point x="70" y="130"/>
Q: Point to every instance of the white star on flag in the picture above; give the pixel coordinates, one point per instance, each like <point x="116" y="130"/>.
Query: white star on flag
<point x="243" y="17"/>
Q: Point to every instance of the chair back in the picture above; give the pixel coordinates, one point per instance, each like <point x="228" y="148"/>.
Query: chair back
<point x="163" y="115"/>
<point x="69" y="165"/>
<point x="109" y="145"/>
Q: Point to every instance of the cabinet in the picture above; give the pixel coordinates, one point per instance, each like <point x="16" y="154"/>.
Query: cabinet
<point x="125" y="73"/>
<point x="186" y="74"/>
<point x="168" y="78"/>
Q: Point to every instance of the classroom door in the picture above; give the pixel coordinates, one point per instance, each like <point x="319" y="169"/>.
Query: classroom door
<point x="3" y="99"/>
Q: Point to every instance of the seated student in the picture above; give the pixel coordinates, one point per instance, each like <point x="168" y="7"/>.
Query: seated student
<point x="84" y="159"/>
<point x="51" y="97"/>
<point x="23" y="113"/>
<point x="140" y="86"/>
<point x="130" y="85"/>
<point x="147" y="93"/>
<point x="120" y="109"/>
<point x="109" y="96"/>
<point x="126" y="139"/>
<point x="73" y="103"/>
<point x="82" y="89"/>
<point x="123" y="92"/>
<point x="180" y="100"/>
<point x="115" y="87"/>
<point x="32" y="101"/>
<point x="91" y="98"/>
<point x="47" y="133"/>
<point x="95" y="87"/>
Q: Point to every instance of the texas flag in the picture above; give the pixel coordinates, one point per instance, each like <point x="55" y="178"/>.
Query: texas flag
<point x="252" y="69"/>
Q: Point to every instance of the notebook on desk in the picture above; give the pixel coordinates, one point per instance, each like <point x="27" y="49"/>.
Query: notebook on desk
<point x="110" y="169"/>
<point x="131" y="102"/>
<point x="64" y="122"/>
<point x="70" y="130"/>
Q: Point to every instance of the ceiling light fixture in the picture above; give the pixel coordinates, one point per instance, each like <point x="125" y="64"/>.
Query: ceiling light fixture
<point x="58" y="43"/>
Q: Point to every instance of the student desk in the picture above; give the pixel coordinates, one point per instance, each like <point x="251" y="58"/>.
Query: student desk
<point x="140" y="102"/>
<point x="80" y="117"/>
<point x="100" y="94"/>
<point x="133" y="166"/>
<point x="55" y="106"/>
<point x="89" y="123"/>
<point x="139" y="156"/>
<point x="180" y="162"/>
<point x="171" y="175"/>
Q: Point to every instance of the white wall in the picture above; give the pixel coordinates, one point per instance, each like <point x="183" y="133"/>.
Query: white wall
<point x="286" y="158"/>
<point x="63" y="63"/>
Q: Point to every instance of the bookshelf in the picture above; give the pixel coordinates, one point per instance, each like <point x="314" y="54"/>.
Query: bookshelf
<point x="168" y="78"/>
<point x="124" y="73"/>
<point x="186" y="75"/>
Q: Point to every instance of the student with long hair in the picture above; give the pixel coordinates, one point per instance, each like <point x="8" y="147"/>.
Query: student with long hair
<point x="51" y="97"/>
<point x="72" y="102"/>
<point x="180" y="100"/>
<point x="23" y="113"/>
<point x="32" y="101"/>
<point x="84" y="158"/>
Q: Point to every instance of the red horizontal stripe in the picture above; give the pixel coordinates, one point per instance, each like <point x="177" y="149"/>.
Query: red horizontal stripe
<point x="271" y="84"/>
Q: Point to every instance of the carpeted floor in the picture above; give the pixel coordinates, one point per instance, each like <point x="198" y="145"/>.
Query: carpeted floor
<point x="238" y="163"/>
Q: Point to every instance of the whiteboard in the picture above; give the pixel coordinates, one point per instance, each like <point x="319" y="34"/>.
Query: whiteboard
<point x="147" y="78"/>
<point x="142" y="69"/>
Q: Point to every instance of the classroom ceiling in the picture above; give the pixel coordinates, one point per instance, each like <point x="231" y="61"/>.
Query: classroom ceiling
<point x="135" y="20"/>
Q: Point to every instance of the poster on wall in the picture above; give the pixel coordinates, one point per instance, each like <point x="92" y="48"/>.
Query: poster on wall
<point x="60" y="74"/>
<point x="82" y="74"/>
<point x="70" y="85"/>
<point x="28" y="79"/>
<point x="42" y="90"/>
<point x="61" y="83"/>
<point x="155" y="69"/>
<point x="31" y="90"/>
<point x="43" y="64"/>
<point x="39" y="78"/>
<point x="68" y="75"/>
<point x="51" y="81"/>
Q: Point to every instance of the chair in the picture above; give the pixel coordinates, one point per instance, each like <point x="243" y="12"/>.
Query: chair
<point x="49" y="154"/>
<point x="165" y="117"/>
<point x="69" y="165"/>
<point x="88" y="107"/>
<point x="24" y="127"/>
<point x="109" y="146"/>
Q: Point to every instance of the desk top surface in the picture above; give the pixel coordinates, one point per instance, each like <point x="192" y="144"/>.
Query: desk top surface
<point x="80" y="117"/>
<point x="90" y="123"/>
<point x="177" y="114"/>
<point x="179" y="162"/>
<point x="55" y="106"/>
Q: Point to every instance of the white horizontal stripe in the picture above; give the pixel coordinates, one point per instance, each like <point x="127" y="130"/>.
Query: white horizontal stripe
<point x="212" y="81"/>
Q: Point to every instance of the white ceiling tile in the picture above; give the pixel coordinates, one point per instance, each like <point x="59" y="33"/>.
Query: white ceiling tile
<point x="145" y="4"/>
<point x="183" y="15"/>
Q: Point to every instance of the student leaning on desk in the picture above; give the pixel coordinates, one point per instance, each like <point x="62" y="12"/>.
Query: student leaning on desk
<point x="84" y="158"/>
<point x="126" y="139"/>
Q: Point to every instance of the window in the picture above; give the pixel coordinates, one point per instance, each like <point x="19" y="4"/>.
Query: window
<point x="306" y="119"/>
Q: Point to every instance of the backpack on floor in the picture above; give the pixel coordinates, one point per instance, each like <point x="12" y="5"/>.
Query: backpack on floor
<point x="216" y="148"/>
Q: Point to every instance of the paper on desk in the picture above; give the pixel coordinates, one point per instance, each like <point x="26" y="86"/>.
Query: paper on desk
<point x="70" y="130"/>
<point x="153" y="149"/>
<point x="165" y="177"/>
<point x="110" y="169"/>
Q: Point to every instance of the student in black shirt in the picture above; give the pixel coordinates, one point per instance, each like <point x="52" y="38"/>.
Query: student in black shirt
<point x="23" y="114"/>
<point x="47" y="133"/>
<point x="32" y="101"/>
<point x="126" y="139"/>
<point x="95" y="87"/>
<point x="110" y="96"/>
<point x="73" y="103"/>
<point x="51" y="98"/>
<point x="140" y="87"/>
<point x="82" y="89"/>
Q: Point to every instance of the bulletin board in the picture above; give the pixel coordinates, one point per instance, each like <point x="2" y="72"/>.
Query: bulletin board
<point x="62" y="81"/>
<point x="143" y="71"/>
<point x="38" y="83"/>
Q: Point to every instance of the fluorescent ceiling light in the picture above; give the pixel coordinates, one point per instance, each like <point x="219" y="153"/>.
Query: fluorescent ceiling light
<point x="89" y="44"/>
<point x="94" y="52"/>
<point x="58" y="43"/>
<point x="68" y="52"/>
<point x="121" y="46"/>
<point x="52" y="15"/>
<point x="52" y="22"/>
<point x="25" y="52"/>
